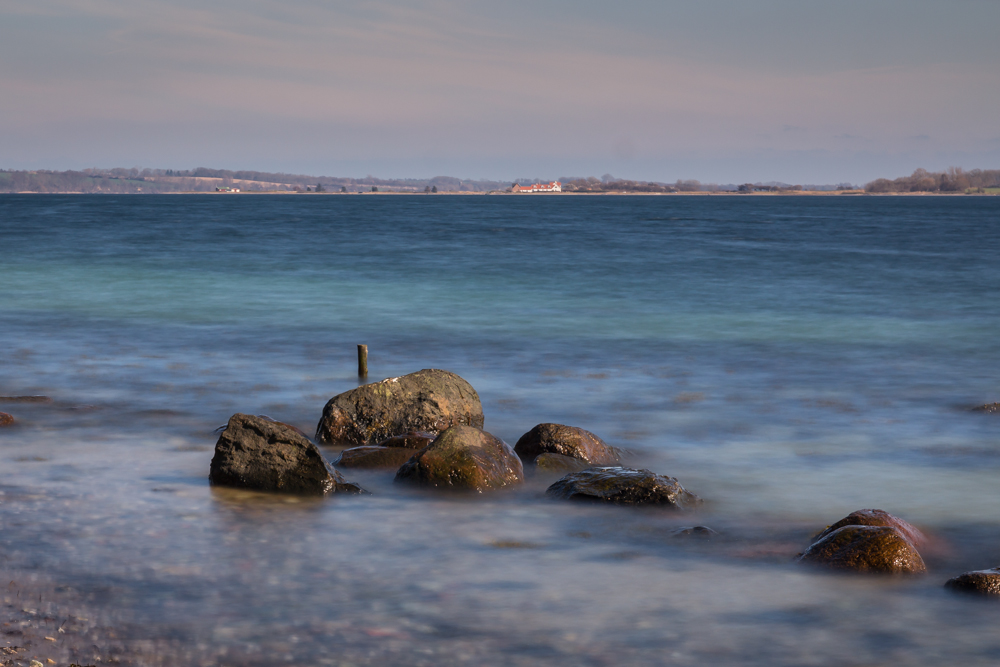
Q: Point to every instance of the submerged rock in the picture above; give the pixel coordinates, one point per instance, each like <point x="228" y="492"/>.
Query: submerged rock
<point x="258" y="453"/>
<point x="694" y="531"/>
<point x="989" y="408"/>
<point x="411" y="440"/>
<point x="877" y="518"/>
<point x="558" y="464"/>
<point x="430" y="400"/>
<point x="464" y="457"/>
<point x="623" y="486"/>
<point x="979" y="582"/>
<point x="6" y="419"/>
<point x="871" y="549"/>
<point x="372" y="456"/>
<point x="566" y="441"/>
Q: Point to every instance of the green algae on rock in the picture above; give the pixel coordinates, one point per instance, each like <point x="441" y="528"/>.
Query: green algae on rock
<point x="869" y="549"/>
<point x="566" y="441"/>
<point x="258" y="453"/>
<point x="623" y="486"/>
<point x="464" y="457"/>
<point x="978" y="582"/>
<point x="430" y="400"/>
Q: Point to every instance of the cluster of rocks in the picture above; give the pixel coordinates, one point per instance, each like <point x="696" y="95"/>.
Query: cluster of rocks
<point x="428" y="427"/>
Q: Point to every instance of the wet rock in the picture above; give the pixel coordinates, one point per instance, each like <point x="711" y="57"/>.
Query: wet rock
<point x="6" y="419"/>
<point x="559" y="464"/>
<point x="411" y="440"/>
<point x="258" y="453"/>
<point x="979" y="582"/>
<point x="372" y="456"/>
<point x="566" y="441"/>
<point x="623" y="486"/>
<point x="877" y="518"/>
<point x="25" y="399"/>
<point x="430" y="400"/>
<point x="871" y="549"/>
<point x="694" y="531"/>
<point x="464" y="457"/>
<point x="989" y="408"/>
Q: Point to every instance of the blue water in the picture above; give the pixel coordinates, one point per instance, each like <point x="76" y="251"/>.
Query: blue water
<point x="790" y="359"/>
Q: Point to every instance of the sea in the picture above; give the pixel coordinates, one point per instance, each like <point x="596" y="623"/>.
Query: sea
<point x="789" y="359"/>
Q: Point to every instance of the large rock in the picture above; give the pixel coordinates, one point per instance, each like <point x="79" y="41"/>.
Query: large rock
<point x="429" y="400"/>
<point x="6" y="419"/>
<point x="877" y="518"/>
<point x="623" y="486"/>
<point x="872" y="549"/>
<point x="566" y="441"/>
<point x="463" y="457"/>
<point x="980" y="582"/>
<point x="258" y="453"/>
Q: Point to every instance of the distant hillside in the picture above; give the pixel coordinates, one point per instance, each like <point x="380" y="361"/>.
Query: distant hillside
<point x="202" y="179"/>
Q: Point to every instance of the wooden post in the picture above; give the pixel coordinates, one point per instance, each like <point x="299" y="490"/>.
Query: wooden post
<point x="362" y="361"/>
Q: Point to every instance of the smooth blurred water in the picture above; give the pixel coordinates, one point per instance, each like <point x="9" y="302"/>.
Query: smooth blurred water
<point x="790" y="359"/>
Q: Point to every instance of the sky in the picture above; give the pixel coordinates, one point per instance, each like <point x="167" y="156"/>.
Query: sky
<point x="723" y="91"/>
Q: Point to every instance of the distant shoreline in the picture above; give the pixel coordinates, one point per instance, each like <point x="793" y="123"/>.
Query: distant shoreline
<point x="700" y="193"/>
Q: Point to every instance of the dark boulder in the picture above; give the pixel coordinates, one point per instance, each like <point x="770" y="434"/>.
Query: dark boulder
<point x="979" y="582"/>
<point x="871" y="549"/>
<point x="566" y="441"/>
<point x="430" y="400"/>
<point x="877" y="518"/>
<point x="258" y="453"/>
<point x="989" y="408"/>
<point x="371" y="456"/>
<point x="464" y="457"/>
<point x="623" y="486"/>
<point x="6" y="419"/>
<point x="558" y="464"/>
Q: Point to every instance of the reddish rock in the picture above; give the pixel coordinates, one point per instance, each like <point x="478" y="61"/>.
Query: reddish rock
<point x="430" y="400"/>
<point x="869" y="549"/>
<point x="877" y="518"/>
<point x="566" y="441"/>
<point x="979" y="582"/>
<point x="6" y="419"/>
<point x="464" y="457"/>
<point x="374" y="457"/>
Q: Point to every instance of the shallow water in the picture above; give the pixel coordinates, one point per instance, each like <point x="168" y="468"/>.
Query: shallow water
<point x="788" y="359"/>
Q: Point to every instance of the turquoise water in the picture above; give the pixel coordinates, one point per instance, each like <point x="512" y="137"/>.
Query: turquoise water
<point x="788" y="359"/>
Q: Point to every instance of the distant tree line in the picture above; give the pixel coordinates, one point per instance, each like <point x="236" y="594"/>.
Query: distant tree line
<point x="954" y="179"/>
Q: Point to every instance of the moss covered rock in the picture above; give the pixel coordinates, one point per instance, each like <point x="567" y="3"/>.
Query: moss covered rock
<point x="259" y="453"/>
<point x="566" y="441"/>
<point x="871" y="549"/>
<point x="464" y="457"/>
<point x="623" y="486"/>
<point x="877" y="518"/>
<point x="430" y="400"/>
<point x="979" y="582"/>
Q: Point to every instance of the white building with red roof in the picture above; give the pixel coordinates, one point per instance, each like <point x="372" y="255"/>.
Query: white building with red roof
<point x="554" y="186"/>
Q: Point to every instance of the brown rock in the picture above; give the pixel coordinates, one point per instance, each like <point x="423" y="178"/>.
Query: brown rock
<point x="430" y="400"/>
<point x="566" y="441"/>
<point x="989" y="408"/>
<point x="259" y="453"/>
<point x="411" y="440"/>
<point x="877" y="518"/>
<point x="6" y="419"/>
<point x="980" y="582"/>
<point x="464" y="457"/>
<point x="371" y="456"/>
<point x="557" y="463"/>
<point x="623" y="486"/>
<point x="871" y="549"/>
